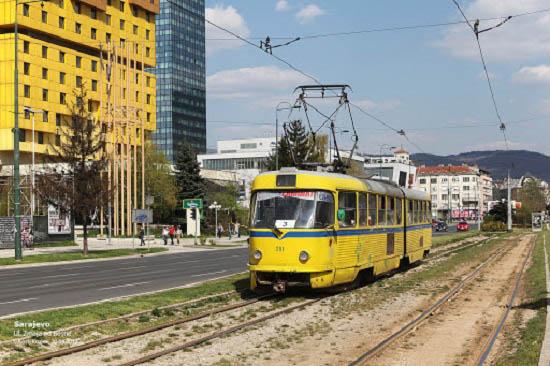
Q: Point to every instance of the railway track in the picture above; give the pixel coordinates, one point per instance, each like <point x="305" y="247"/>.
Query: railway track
<point x="201" y="315"/>
<point x="367" y="356"/>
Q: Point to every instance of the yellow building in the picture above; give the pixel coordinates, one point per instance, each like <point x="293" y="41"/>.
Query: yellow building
<point x="105" y="45"/>
<point x="60" y="43"/>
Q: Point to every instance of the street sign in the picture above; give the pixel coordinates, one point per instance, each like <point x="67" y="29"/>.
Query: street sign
<point x="192" y="203"/>
<point x="142" y="216"/>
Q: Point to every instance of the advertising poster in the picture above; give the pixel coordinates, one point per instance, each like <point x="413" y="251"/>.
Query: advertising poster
<point x="57" y="223"/>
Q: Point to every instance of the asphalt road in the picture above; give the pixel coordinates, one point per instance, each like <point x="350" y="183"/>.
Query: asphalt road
<point x="44" y="287"/>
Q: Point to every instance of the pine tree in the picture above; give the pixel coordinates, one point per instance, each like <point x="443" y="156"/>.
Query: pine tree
<point x="188" y="180"/>
<point x="298" y="147"/>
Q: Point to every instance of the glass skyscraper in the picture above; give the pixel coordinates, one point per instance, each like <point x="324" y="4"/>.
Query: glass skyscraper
<point x="181" y="76"/>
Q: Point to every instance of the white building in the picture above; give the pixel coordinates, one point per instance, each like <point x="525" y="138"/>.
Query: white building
<point x="241" y="160"/>
<point x="457" y="192"/>
<point x="397" y="168"/>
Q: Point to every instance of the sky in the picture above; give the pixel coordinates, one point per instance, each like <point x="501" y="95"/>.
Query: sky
<point x="427" y="81"/>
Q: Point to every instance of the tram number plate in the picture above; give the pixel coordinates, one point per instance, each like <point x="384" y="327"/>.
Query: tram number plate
<point x="279" y="249"/>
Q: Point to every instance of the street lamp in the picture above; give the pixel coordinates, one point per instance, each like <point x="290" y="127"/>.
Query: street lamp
<point x="33" y="112"/>
<point x="383" y="146"/>
<point x="215" y="206"/>
<point x="277" y="109"/>
<point x="16" y="176"/>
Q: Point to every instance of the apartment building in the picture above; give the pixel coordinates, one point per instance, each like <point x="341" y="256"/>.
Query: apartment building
<point x="457" y="192"/>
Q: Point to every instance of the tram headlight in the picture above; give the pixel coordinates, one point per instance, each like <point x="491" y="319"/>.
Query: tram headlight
<point x="257" y="255"/>
<point x="304" y="256"/>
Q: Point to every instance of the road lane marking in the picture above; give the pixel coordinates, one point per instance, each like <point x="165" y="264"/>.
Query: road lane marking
<point x="126" y="285"/>
<point x="18" y="301"/>
<point x="208" y="274"/>
<point x="65" y="275"/>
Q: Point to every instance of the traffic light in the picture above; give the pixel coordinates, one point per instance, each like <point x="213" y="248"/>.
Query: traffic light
<point x="194" y="213"/>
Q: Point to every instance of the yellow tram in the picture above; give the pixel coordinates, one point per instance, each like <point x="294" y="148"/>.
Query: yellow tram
<point x="320" y="229"/>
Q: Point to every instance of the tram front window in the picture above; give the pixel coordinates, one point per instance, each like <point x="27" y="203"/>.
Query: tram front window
<point x="292" y="210"/>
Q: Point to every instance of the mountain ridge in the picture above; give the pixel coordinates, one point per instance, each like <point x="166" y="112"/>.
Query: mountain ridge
<point x="497" y="162"/>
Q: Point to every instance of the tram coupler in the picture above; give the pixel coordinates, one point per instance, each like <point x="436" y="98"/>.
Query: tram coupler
<point x="280" y="287"/>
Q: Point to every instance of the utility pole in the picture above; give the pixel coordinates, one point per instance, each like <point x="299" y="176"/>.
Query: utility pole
<point x="509" y="220"/>
<point x="16" y="193"/>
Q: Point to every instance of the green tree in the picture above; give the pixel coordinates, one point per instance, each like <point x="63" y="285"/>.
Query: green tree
<point x="298" y="148"/>
<point x="532" y="200"/>
<point x="189" y="182"/>
<point x="159" y="183"/>
<point x="75" y="183"/>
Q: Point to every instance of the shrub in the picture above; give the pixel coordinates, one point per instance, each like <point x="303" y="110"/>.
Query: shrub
<point x="491" y="226"/>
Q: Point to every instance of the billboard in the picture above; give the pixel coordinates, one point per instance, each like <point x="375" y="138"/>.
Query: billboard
<point x="58" y="223"/>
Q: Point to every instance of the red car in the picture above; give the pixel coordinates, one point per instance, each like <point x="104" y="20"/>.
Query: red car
<point x="463" y="226"/>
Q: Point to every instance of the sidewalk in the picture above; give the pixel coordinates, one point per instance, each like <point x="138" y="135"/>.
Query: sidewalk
<point x="185" y="245"/>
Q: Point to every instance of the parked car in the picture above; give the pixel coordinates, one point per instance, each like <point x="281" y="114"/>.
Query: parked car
<point x="462" y="226"/>
<point x="441" y="226"/>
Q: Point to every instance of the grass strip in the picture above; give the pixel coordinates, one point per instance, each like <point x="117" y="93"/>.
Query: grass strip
<point x="77" y="255"/>
<point x="523" y="348"/>
<point x="57" y="244"/>
<point x="63" y="318"/>
<point x="438" y="241"/>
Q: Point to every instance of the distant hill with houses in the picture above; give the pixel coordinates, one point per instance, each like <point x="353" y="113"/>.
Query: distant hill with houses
<point x="521" y="162"/>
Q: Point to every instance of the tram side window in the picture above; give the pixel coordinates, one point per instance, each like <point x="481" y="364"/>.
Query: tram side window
<point x="417" y="212"/>
<point x="391" y="210"/>
<point x="347" y="209"/>
<point x="426" y="212"/>
<point x="382" y="211"/>
<point x="410" y="213"/>
<point x="362" y="209"/>
<point x="399" y="211"/>
<point x="372" y="210"/>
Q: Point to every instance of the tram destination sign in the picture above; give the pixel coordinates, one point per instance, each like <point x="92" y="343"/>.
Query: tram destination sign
<point x="192" y="203"/>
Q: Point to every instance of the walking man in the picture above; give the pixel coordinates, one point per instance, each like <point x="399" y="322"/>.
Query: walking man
<point x="165" y="235"/>
<point x="172" y="233"/>
<point x="238" y="229"/>
<point x="142" y="237"/>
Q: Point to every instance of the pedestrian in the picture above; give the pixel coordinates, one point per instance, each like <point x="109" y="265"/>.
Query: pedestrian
<point x="31" y="240"/>
<point x="172" y="233"/>
<point x="229" y="230"/>
<point x="142" y="237"/>
<point x="238" y="229"/>
<point x="178" y="234"/>
<point x="220" y="230"/>
<point x="25" y="237"/>
<point x="165" y="235"/>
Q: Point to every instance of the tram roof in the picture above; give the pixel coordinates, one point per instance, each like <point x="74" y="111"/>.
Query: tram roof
<point x="375" y="186"/>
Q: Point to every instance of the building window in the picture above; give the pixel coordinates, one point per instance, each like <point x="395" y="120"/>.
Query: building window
<point x="77" y="7"/>
<point x="61" y="4"/>
<point x="90" y="106"/>
<point x="148" y="16"/>
<point x="122" y="24"/>
<point x="148" y="117"/>
<point x="27" y="114"/>
<point x="26" y="10"/>
<point x="44" y="52"/>
<point x="249" y="146"/>
<point x="456" y="179"/>
<point x="45" y="116"/>
<point x="22" y="135"/>
<point x="455" y="197"/>
<point x="27" y="91"/>
<point x="137" y="96"/>
<point x="93" y="13"/>
<point x="433" y="180"/>
<point x="121" y="6"/>
<point x="423" y="181"/>
<point x="444" y="180"/>
<point x="58" y="119"/>
<point x="94" y="85"/>
<point x="147" y="51"/>
<point x="465" y="179"/>
<point x="62" y="78"/>
<point x="63" y="98"/>
<point x="136" y="29"/>
<point x="147" y="34"/>
<point x="26" y="46"/>
<point x="466" y="188"/>
<point x="148" y="98"/>
<point x="444" y="197"/>
<point x="44" y="95"/>
<point x="136" y="48"/>
<point x="108" y="37"/>
<point x="44" y="16"/>
<point x="108" y="19"/>
<point x="137" y="78"/>
<point x="79" y="81"/>
<point x="40" y="138"/>
<point x="148" y="81"/>
<point x="94" y="66"/>
<point x="26" y="68"/>
<point x="57" y="140"/>
<point x="61" y="22"/>
<point x="44" y="73"/>
<point x="78" y="28"/>
<point x="78" y="62"/>
<point x="62" y="57"/>
<point x="93" y="33"/>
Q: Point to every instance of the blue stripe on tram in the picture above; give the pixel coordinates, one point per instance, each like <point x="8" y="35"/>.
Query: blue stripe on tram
<point x="329" y="233"/>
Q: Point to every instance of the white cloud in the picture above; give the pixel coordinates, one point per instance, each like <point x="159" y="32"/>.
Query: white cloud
<point x="534" y="74"/>
<point x="520" y="38"/>
<point x="309" y="13"/>
<point x="282" y="5"/>
<point x="255" y="83"/>
<point x="226" y="17"/>
<point x="382" y="105"/>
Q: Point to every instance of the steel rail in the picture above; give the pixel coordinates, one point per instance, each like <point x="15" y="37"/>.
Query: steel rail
<point x="137" y="333"/>
<point x="510" y="303"/>
<point x="407" y="328"/>
<point x="218" y="334"/>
